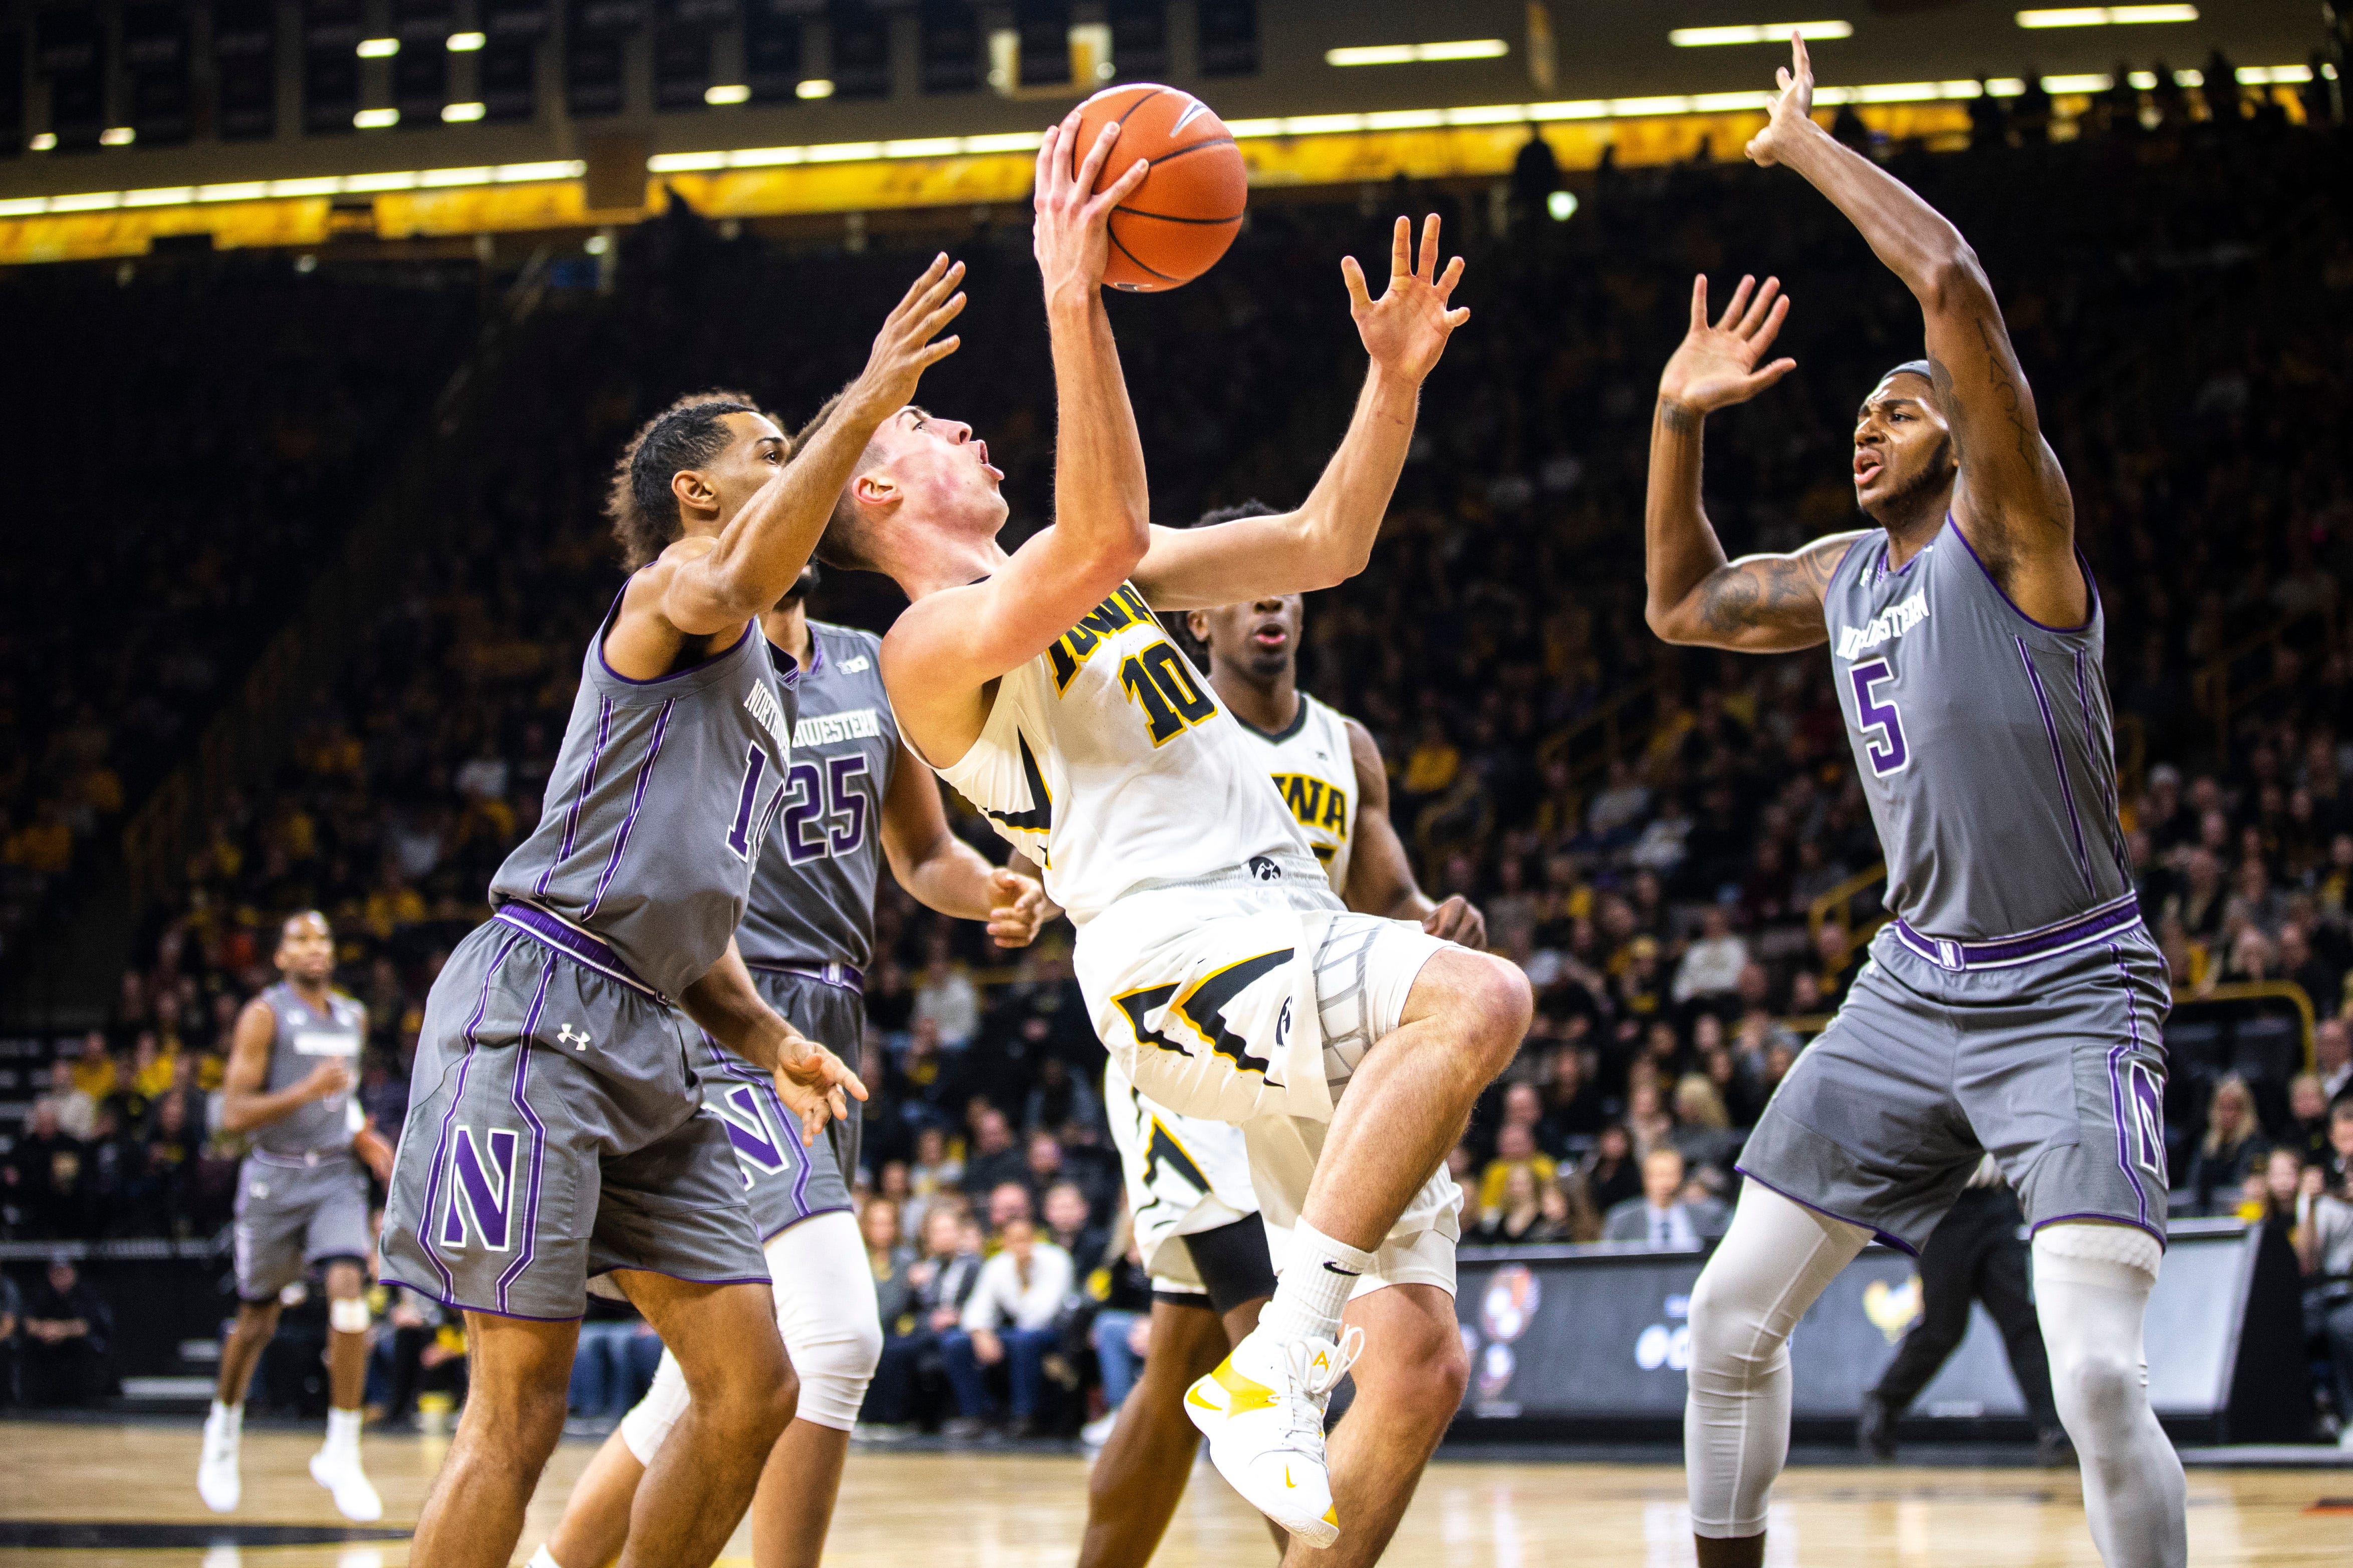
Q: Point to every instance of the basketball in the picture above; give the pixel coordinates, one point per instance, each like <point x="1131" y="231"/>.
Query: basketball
<point x="1175" y="226"/>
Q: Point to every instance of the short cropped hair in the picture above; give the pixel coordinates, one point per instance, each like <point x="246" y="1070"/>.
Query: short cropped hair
<point x="686" y="435"/>
<point x="843" y="543"/>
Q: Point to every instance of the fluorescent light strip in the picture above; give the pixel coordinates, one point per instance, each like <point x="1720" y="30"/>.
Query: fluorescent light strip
<point x="1761" y="33"/>
<point x="1413" y="54"/>
<point x="466" y="43"/>
<point x="320" y="185"/>
<point x="727" y="93"/>
<point x="378" y="48"/>
<point x="2107" y="15"/>
<point x="462" y="113"/>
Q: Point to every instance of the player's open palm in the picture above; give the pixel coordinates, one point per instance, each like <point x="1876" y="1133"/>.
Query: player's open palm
<point x="813" y="1082"/>
<point x="1406" y="329"/>
<point x="1793" y="108"/>
<point x="910" y="341"/>
<point x="1716" y="366"/>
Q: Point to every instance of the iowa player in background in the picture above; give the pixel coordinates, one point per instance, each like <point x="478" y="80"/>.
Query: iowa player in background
<point x="853" y="799"/>
<point x="1190" y="1181"/>
<point x="301" y="1204"/>
<point x="2015" y="1005"/>
<point x="557" y="1132"/>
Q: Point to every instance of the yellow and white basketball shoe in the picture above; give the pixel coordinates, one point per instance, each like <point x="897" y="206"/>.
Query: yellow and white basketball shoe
<point x="1262" y="1410"/>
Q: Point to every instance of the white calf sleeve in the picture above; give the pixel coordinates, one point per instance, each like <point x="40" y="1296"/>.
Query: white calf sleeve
<point x="2091" y="1287"/>
<point x="827" y="1309"/>
<point x="650" y="1420"/>
<point x="1777" y="1257"/>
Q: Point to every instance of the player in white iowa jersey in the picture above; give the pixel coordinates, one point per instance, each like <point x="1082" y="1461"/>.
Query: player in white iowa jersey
<point x="1187" y="1176"/>
<point x="1211" y="952"/>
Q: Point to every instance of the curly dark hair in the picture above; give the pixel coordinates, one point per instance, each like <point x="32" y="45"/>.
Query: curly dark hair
<point x="686" y="435"/>
<point x="1172" y="622"/>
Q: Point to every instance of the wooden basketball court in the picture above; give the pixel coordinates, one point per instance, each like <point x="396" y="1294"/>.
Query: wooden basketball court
<point x="979" y="1510"/>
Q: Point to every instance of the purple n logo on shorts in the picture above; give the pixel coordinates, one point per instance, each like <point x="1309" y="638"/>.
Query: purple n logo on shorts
<point x="2147" y="1112"/>
<point x="479" y="1205"/>
<point x="749" y="1129"/>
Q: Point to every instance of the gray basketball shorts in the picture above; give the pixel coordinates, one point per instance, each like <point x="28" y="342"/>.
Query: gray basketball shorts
<point x="2055" y="1067"/>
<point x="783" y="1181"/>
<point x="293" y="1212"/>
<point x="553" y="1133"/>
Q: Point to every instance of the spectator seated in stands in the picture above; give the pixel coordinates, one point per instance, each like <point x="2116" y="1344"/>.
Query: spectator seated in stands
<point x="2332" y="1057"/>
<point x="1121" y="1334"/>
<point x="943" y="1279"/>
<point x="1010" y="1319"/>
<point x="1711" y="966"/>
<point x="893" y="1264"/>
<point x="66" y="1325"/>
<point x="1612" y="1173"/>
<point x="2233" y="1148"/>
<point x="2324" y="1236"/>
<point x="1666" y="1219"/>
<point x="1070" y="1224"/>
<point x="1531" y="1211"/>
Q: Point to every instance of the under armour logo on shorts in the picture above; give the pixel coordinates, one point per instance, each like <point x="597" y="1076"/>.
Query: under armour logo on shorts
<point x="576" y="1039"/>
<point x="1264" y="869"/>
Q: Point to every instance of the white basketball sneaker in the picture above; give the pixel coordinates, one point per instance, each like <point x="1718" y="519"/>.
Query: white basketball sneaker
<point x="217" y="1478"/>
<point x="1262" y="1410"/>
<point x="343" y="1477"/>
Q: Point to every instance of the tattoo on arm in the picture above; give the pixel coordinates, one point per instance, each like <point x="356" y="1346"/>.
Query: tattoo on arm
<point x="1765" y="592"/>
<point x="2013" y="405"/>
<point x="1679" y="418"/>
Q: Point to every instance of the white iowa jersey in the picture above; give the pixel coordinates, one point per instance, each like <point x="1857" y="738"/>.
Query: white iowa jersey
<point x="1107" y="761"/>
<point x="1316" y="776"/>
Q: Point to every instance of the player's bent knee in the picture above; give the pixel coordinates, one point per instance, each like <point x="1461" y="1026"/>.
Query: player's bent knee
<point x="2099" y="1386"/>
<point x="833" y="1374"/>
<point x="1728" y="1339"/>
<point x="1487" y="998"/>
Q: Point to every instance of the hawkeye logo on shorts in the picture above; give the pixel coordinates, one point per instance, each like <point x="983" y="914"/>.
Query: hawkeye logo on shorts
<point x="481" y="1190"/>
<point x="758" y="1147"/>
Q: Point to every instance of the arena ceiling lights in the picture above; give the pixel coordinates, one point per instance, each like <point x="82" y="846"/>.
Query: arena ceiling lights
<point x="325" y="185"/>
<point x="1759" y="33"/>
<point x="2107" y="15"/>
<point x="1417" y="54"/>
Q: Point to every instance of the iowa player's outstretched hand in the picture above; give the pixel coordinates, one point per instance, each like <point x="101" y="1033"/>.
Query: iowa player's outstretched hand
<point x="1406" y="329"/>
<point x="904" y="348"/>
<point x="1792" y="112"/>
<point x="1019" y="909"/>
<point x="1071" y="235"/>
<point x="812" y="1081"/>
<point x="1716" y="366"/>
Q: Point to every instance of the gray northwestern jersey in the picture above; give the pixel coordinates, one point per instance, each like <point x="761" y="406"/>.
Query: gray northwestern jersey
<point x="1983" y="740"/>
<point x="304" y="1038"/>
<point x="2016" y="1005"/>
<point x="813" y="890"/>
<point x="655" y="811"/>
<point x="556" y="1132"/>
<point x="302" y="1197"/>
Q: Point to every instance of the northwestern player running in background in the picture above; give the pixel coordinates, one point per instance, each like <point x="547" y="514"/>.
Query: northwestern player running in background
<point x="1215" y="960"/>
<point x="853" y="799"/>
<point x="557" y="1132"/>
<point x="301" y="1204"/>
<point x="1189" y="1178"/>
<point x="2014" y="1006"/>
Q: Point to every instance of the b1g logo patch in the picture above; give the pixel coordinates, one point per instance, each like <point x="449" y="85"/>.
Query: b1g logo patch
<point x="482" y="1190"/>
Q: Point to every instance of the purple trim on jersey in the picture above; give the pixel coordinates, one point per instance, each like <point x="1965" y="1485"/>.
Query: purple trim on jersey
<point x="636" y="803"/>
<point x="574" y="944"/>
<point x="2074" y="932"/>
<point x="768" y="1279"/>
<point x="1850" y="543"/>
<point x="2059" y="764"/>
<point x="588" y="782"/>
<point x="790" y="672"/>
<point x="2040" y="1226"/>
<point x="800" y="1176"/>
<point x="2091" y="593"/>
<point x="1897" y="1242"/>
<point x="457" y="1305"/>
<point x="458" y="1092"/>
<point x="606" y="628"/>
<point x="2127" y="1109"/>
<point x="538" y="1136"/>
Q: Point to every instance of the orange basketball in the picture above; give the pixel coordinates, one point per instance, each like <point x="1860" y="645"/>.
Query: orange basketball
<point x="1175" y="226"/>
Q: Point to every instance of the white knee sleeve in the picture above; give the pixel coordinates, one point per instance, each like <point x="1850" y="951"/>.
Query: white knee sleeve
<point x="2091" y="1288"/>
<point x="348" y="1315"/>
<point x="650" y="1420"/>
<point x="1777" y="1258"/>
<point x="826" y="1311"/>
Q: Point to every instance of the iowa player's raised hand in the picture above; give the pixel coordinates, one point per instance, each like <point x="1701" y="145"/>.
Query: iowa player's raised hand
<point x="1406" y="329"/>
<point x="910" y="343"/>
<point x="1792" y="111"/>
<point x="813" y="1083"/>
<point x="1072" y="234"/>
<point x="1716" y="365"/>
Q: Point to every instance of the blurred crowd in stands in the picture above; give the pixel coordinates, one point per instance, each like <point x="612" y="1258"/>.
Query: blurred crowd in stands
<point x="1671" y="842"/>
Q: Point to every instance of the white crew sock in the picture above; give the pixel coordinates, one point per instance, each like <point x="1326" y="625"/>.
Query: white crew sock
<point x="229" y="1417"/>
<point x="1319" y="1275"/>
<point x="542" y="1557"/>
<point x="344" y="1433"/>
